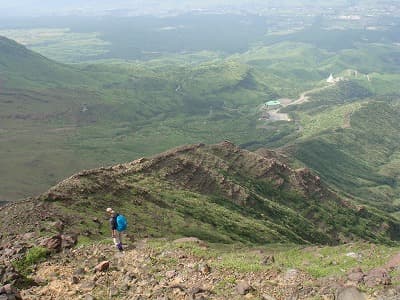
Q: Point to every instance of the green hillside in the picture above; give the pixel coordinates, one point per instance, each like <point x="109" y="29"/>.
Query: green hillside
<point x="83" y="116"/>
<point x="358" y="157"/>
<point x="218" y="193"/>
<point x="21" y="67"/>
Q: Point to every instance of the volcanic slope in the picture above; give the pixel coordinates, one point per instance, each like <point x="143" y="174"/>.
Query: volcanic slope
<point x="218" y="193"/>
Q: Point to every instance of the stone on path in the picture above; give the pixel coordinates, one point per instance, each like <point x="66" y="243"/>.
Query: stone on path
<point x="378" y="276"/>
<point x="53" y="243"/>
<point x="243" y="287"/>
<point x="103" y="266"/>
<point x="9" y="292"/>
<point x="394" y="262"/>
<point x="349" y="293"/>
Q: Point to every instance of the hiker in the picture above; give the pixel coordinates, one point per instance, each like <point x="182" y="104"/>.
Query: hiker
<point x="118" y="225"/>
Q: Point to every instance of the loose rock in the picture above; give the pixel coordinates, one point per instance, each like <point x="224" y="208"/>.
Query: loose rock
<point x="378" y="276"/>
<point x="349" y="293"/>
<point x="53" y="243"/>
<point x="268" y="260"/>
<point x="394" y="262"/>
<point x="10" y="292"/>
<point x="356" y="275"/>
<point x="204" y="268"/>
<point x="68" y="241"/>
<point x="243" y="287"/>
<point x="75" y="280"/>
<point x="103" y="266"/>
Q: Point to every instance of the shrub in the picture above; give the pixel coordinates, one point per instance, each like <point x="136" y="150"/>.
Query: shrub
<point x="33" y="256"/>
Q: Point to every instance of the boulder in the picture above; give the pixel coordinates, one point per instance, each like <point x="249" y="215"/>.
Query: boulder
<point x="291" y="275"/>
<point x="349" y="293"/>
<point x="59" y="225"/>
<point x="9" y="292"/>
<point x="356" y="275"/>
<point x="68" y="241"/>
<point x="353" y="255"/>
<point x="103" y="266"/>
<point x="79" y="271"/>
<point x="10" y="276"/>
<point x="75" y="279"/>
<point x="204" y="269"/>
<point x="53" y="243"/>
<point x="394" y="262"/>
<point x="376" y="277"/>
<point x="87" y="286"/>
<point x="268" y="260"/>
<point x="243" y="287"/>
<point x="28" y="236"/>
<point x="170" y="274"/>
<point x="293" y="296"/>
<point x="113" y="292"/>
<point x="9" y="251"/>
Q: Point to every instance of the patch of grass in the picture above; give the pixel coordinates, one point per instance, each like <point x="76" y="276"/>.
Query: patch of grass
<point x="329" y="120"/>
<point x="223" y="284"/>
<point x="317" y="261"/>
<point x="33" y="256"/>
<point x="335" y="261"/>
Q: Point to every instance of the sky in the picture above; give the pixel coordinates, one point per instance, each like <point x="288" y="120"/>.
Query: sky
<point x="138" y="7"/>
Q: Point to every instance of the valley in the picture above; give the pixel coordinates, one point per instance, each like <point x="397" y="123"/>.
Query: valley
<point x="276" y="115"/>
<point x="106" y="113"/>
<point x="252" y="147"/>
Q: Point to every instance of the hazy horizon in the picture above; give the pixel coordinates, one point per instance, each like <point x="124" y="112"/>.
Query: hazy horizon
<point x="26" y="8"/>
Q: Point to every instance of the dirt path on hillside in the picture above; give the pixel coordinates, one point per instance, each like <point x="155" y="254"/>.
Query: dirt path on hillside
<point x="276" y="115"/>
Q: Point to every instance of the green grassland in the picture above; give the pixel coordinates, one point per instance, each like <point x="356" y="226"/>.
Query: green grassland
<point x="80" y="116"/>
<point x="60" y="44"/>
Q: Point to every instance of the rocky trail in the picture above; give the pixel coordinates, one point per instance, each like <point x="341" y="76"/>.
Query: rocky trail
<point x="189" y="268"/>
<point x="57" y="246"/>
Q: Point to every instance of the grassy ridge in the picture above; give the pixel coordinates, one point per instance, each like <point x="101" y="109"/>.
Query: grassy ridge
<point x="218" y="193"/>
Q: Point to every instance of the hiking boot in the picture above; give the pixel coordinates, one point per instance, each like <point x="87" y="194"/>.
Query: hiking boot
<point x="119" y="246"/>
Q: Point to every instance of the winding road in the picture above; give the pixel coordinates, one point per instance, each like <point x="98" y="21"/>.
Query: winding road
<point x="276" y="115"/>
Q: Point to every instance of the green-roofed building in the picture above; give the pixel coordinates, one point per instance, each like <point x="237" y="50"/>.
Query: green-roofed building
<point x="275" y="102"/>
<point x="272" y="104"/>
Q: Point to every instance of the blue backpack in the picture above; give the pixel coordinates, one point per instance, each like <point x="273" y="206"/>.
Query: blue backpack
<point x="121" y="223"/>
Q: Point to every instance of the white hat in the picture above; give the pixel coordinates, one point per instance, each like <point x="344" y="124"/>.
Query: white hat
<point x="109" y="210"/>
